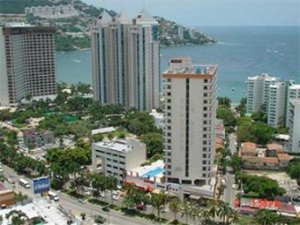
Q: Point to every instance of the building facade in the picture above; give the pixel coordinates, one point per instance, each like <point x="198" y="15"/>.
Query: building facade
<point x="118" y="156"/>
<point x="125" y="60"/>
<point x="276" y="104"/>
<point x="27" y="63"/>
<point x="294" y="125"/>
<point x="258" y="91"/>
<point x="190" y="118"/>
<point x="293" y="92"/>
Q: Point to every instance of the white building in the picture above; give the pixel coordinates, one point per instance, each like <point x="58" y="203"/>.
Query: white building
<point x="158" y="118"/>
<point x="27" y="63"/>
<point x="118" y="156"/>
<point x="190" y="118"/>
<point x="293" y="92"/>
<point x="294" y="125"/>
<point x="125" y="60"/>
<point x="277" y="107"/>
<point x="258" y="91"/>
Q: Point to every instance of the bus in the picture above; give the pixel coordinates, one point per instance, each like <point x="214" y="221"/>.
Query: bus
<point x="24" y="183"/>
<point x="53" y="196"/>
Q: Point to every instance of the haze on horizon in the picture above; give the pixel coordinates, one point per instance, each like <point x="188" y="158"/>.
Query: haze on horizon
<point x="213" y="12"/>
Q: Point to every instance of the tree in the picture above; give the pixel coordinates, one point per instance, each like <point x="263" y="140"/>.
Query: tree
<point x="224" y="101"/>
<point x="154" y="143"/>
<point x="266" y="217"/>
<point x="213" y="207"/>
<point x="83" y="215"/>
<point x="17" y="217"/>
<point x="294" y="169"/>
<point x="226" y="115"/>
<point x="185" y="210"/>
<point x="111" y="184"/>
<point x="157" y="202"/>
<point x="140" y="123"/>
<point x="175" y="206"/>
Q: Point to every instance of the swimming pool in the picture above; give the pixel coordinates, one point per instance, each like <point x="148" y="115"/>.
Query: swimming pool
<point x="155" y="172"/>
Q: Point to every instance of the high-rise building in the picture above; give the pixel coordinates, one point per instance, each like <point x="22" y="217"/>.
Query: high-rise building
<point x="258" y="92"/>
<point x="276" y="104"/>
<point x="293" y="92"/>
<point x="125" y="59"/>
<point x="294" y="125"/>
<point x="190" y="115"/>
<point x="27" y="63"/>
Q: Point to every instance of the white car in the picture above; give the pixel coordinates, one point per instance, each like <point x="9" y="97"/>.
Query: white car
<point x="115" y="197"/>
<point x="233" y="186"/>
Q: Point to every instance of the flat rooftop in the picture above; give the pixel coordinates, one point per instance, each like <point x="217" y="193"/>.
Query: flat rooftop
<point x="49" y="211"/>
<point x="118" y="145"/>
<point x="195" y="70"/>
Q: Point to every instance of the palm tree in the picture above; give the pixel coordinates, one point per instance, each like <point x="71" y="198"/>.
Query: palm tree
<point x="223" y="211"/>
<point x="157" y="203"/>
<point x="213" y="206"/>
<point x="266" y="217"/>
<point x="194" y="212"/>
<point x="174" y="206"/>
<point x="17" y="217"/>
<point x="185" y="210"/>
<point x="232" y="216"/>
<point x="111" y="184"/>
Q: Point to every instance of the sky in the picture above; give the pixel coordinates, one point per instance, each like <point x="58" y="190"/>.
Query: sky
<point x="195" y="13"/>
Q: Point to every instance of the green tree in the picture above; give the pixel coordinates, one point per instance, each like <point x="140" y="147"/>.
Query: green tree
<point x="157" y="203"/>
<point x="266" y="217"/>
<point x="175" y="206"/>
<point x="224" y="101"/>
<point x="294" y="169"/>
<point x="140" y="123"/>
<point x="226" y="115"/>
<point x="154" y="143"/>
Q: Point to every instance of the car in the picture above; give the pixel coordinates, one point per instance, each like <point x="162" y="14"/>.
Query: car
<point x="106" y="209"/>
<point x="115" y="197"/>
<point x="223" y="181"/>
<point x="165" y="210"/>
<point x="81" y="201"/>
<point x="140" y="206"/>
<point x="233" y="186"/>
<point x="10" y="180"/>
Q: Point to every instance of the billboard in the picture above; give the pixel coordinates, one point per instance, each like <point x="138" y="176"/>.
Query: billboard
<point x="41" y="185"/>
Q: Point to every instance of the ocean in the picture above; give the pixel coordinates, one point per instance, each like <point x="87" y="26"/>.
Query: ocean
<point x="239" y="53"/>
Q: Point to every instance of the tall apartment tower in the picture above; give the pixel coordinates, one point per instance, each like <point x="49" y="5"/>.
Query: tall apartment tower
<point x="125" y="60"/>
<point x="190" y="114"/>
<point x="27" y="63"/>
<point x="293" y="92"/>
<point x="277" y="107"/>
<point x="258" y="91"/>
<point x="294" y="125"/>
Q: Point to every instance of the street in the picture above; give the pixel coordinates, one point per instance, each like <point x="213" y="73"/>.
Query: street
<point x="73" y="206"/>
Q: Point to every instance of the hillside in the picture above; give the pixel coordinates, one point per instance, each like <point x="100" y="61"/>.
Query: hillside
<point x="73" y="19"/>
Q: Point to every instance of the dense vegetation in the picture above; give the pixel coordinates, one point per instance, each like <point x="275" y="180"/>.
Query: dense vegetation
<point x="260" y="186"/>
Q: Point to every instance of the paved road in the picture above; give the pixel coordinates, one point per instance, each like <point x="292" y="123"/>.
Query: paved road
<point x="229" y="192"/>
<point x="75" y="207"/>
<point x="232" y="143"/>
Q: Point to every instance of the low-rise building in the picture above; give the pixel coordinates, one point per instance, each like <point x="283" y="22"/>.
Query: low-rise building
<point x="34" y="139"/>
<point x="118" y="156"/>
<point x="248" y="149"/>
<point x="7" y="196"/>
<point x="271" y="158"/>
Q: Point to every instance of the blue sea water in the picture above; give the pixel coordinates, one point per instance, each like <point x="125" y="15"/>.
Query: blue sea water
<point x="239" y="53"/>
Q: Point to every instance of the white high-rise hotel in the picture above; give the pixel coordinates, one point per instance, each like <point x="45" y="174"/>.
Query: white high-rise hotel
<point x="190" y="112"/>
<point x="27" y="63"/>
<point x="125" y="59"/>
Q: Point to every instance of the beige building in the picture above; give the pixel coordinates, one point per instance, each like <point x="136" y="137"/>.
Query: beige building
<point x="118" y="156"/>
<point x="27" y="63"/>
<point x="276" y="104"/>
<point x="125" y="60"/>
<point x="190" y="118"/>
<point x="258" y="91"/>
<point x="294" y="125"/>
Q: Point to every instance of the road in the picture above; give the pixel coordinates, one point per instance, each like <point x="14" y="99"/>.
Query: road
<point x="230" y="192"/>
<point x="72" y="204"/>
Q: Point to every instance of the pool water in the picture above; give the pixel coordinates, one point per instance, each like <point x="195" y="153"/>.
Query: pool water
<point x="155" y="172"/>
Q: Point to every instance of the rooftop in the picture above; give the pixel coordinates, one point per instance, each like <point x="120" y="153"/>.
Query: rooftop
<point x="103" y="130"/>
<point x="264" y="76"/>
<point x="184" y="66"/>
<point x="248" y="147"/>
<point x="120" y="145"/>
<point x="277" y="147"/>
<point x="39" y="208"/>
